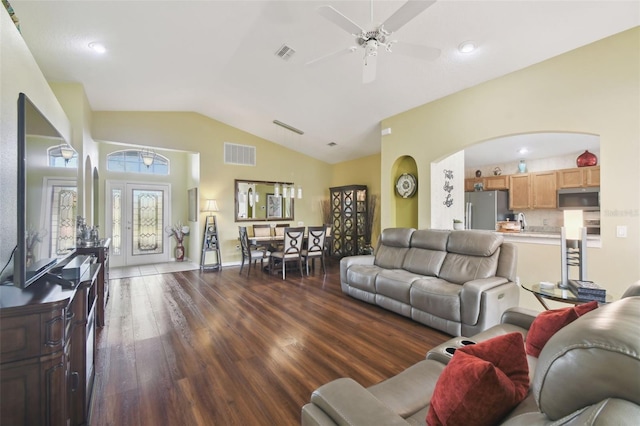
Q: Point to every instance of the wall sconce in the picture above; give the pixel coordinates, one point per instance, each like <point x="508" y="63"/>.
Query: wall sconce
<point x="276" y="190"/>
<point x="573" y="246"/>
<point x="299" y="192"/>
<point x="67" y="152"/>
<point x="148" y="156"/>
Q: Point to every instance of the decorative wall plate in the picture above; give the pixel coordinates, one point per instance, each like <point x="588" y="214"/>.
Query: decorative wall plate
<point x="406" y="185"/>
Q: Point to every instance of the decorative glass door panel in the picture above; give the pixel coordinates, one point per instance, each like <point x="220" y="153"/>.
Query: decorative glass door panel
<point x="148" y="222"/>
<point x="136" y="216"/>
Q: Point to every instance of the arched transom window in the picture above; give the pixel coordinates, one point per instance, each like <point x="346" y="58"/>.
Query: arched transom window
<point x="138" y="161"/>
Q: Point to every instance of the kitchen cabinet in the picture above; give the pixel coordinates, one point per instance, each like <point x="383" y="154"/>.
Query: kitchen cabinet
<point x="496" y="183"/>
<point x="578" y="177"/>
<point x="47" y="352"/>
<point x="519" y="192"/>
<point x="469" y="184"/>
<point x="591" y="176"/>
<point x="543" y="190"/>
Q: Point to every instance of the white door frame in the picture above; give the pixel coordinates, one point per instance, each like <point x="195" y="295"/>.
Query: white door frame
<point x="126" y="257"/>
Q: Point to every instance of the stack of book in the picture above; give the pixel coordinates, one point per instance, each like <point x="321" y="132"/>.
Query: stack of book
<point x="588" y="290"/>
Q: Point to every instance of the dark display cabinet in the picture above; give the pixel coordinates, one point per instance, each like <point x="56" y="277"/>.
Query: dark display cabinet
<point x="348" y="219"/>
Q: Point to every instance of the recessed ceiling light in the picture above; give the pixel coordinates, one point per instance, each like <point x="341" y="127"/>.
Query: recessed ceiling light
<point x="523" y="151"/>
<point x="97" y="47"/>
<point x="467" y="47"/>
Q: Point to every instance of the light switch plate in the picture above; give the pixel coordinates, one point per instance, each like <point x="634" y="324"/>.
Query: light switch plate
<point x="621" y="231"/>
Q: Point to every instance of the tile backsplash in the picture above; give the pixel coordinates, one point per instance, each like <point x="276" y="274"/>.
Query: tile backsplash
<point x="550" y="220"/>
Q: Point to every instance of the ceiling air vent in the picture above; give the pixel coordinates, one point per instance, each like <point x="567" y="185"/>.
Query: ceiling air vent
<point x="285" y="52"/>
<point x="243" y="155"/>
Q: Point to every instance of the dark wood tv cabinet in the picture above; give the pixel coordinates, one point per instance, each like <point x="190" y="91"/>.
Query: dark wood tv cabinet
<point x="47" y="351"/>
<point x="101" y="252"/>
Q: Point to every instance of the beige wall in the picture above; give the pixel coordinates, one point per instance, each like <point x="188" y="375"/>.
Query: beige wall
<point x="594" y="89"/>
<point x="196" y="133"/>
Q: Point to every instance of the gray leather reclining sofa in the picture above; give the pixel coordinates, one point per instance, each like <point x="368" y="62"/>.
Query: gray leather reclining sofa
<point x="588" y="373"/>
<point x="459" y="282"/>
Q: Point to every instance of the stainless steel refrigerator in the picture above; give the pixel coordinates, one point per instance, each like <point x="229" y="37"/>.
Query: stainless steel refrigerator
<point x="484" y="208"/>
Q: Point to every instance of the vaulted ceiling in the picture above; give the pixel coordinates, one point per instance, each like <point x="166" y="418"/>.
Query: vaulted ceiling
<point x="218" y="58"/>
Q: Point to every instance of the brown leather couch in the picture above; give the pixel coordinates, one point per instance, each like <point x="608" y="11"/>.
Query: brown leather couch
<point x="459" y="282"/>
<point x="588" y="373"/>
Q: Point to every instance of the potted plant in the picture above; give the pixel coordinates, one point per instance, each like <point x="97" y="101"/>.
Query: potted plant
<point x="457" y="224"/>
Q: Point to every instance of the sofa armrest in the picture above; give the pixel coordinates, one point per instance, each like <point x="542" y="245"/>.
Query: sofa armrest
<point x="471" y="295"/>
<point x="346" y="402"/>
<point x="346" y="262"/>
<point x="522" y="317"/>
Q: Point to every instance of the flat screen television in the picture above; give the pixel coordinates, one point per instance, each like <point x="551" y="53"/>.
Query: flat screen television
<point x="47" y="194"/>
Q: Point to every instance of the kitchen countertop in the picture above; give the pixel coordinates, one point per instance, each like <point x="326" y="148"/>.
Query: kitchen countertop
<point x="550" y="238"/>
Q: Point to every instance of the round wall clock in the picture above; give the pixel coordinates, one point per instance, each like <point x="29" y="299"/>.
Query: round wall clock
<point x="406" y="185"/>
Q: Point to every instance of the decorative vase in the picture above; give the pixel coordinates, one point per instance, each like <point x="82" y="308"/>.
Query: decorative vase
<point x="458" y="225"/>
<point x="522" y="166"/>
<point x="179" y="252"/>
<point x="586" y="159"/>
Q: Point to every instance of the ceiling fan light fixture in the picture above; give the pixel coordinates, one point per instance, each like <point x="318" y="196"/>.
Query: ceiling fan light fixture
<point x="467" y="47"/>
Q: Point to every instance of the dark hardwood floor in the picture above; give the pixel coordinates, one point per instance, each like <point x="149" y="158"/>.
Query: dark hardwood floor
<point x="218" y="348"/>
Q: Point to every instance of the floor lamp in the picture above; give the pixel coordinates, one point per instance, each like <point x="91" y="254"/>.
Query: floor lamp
<point x="573" y="246"/>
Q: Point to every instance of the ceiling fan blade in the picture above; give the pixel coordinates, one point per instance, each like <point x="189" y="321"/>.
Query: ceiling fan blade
<point x="340" y="20"/>
<point x="407" y="12"/>
<point x="331" y="55"/>
<point x="369" y="69"/>
<point x="426" y="53"/>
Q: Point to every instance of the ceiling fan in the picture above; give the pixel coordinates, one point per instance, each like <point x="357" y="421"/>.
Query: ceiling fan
<point x="371" y="41"/>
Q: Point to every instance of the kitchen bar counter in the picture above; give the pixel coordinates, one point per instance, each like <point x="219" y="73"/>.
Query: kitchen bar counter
<point x="545" y="238"/>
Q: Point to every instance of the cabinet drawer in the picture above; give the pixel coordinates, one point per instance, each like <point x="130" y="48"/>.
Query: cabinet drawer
<point x="32" y="335"/>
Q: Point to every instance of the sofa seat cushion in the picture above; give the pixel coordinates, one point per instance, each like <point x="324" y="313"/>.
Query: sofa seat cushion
<point x="482" y="383"/>
<point x="437" y="297"/>
<point x="363" y="277"/>
<point x="396" y="283"/>
<point x="548" y="323"/>
<point x="409" y="391"/>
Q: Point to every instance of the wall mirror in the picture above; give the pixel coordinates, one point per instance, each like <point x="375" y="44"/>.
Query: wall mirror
<point x="263" y="201"/>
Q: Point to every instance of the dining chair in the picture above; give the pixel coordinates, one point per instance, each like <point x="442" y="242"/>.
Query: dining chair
<point x="315" y="247"/>
<point x="262" y="231"/>
<point x="279" y="229"/>
<point x="293" y="239"/>
<point x="250" y="253"/>
<point x="328" y="238"/>
<point x="279" y="232"/>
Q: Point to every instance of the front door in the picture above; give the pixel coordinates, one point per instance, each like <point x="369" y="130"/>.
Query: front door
<point x="136" y="216"/>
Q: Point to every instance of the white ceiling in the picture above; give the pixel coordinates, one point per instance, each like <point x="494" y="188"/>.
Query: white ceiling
<point x="218" y="58"/>
<point x="535" y="145"/>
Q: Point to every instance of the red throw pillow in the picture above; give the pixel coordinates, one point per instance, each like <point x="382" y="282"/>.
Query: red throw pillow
<point x="548" y="323"/>
<point x="482" y="383"/>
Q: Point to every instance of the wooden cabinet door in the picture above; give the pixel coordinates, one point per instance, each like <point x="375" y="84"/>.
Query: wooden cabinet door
<point x="591" y="176"/>
<point x="570" y="178"/>
<point x="543" y="189"/>
<point x="496" y="183"/>
<point x="519" y="192"/>
<point x="469" y="184"/>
